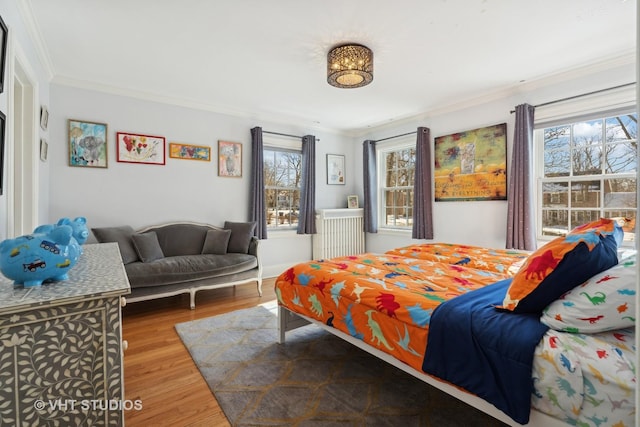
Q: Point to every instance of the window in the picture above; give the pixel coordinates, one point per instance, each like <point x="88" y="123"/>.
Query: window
<point x="282" y="174"/>
<point x="588" y="171"/>
<point x="396" y="166"/>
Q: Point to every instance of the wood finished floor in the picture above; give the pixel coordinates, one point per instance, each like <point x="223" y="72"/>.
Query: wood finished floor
<point x="158" y="369"/>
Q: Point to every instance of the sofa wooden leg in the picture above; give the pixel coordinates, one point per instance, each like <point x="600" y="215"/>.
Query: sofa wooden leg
<point x="260" y="287"/>
<point x="192" y="299"/>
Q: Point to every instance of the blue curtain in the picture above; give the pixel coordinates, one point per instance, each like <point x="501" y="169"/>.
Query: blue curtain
<point x="370" y="187"/>
<point x="307" y="217"/>
<point x="520" y="211"/>
<point x="422" y="188"/>
<point x="257" y="206"/>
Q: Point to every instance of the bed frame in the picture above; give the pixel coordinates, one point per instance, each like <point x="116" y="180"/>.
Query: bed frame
<point x="288" y="320"/>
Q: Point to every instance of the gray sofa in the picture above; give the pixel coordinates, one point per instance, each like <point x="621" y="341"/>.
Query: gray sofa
<point x="185" y="257"/>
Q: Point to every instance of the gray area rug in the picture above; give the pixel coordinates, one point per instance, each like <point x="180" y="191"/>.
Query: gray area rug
<point x="314" y="379"/>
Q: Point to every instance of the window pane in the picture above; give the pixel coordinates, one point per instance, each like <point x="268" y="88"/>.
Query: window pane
<point x="555" y="194"/>
<point x="622" y="128"/>
<point x="557" y="138"/>
<point x="587" y="161"/>
<point x="620" y="193"/>
<point x="582" y="217"/>
<point x="587" y="133"/>
<point x="585" y="194"/>
<point x="392" y="178"/>
<point x="621" y="157"/>
<point x="555" y="222"/>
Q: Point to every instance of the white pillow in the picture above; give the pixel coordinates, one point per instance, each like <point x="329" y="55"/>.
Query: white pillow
<point x="605" y="302"/>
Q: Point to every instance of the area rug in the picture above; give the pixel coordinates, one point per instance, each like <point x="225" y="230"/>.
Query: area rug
<point x="314" y="379"/>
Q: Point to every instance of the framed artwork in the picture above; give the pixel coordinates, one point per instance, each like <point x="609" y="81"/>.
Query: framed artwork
<point x="189" y="152"/>
<point x="137" y="148"/>
<point x="471" y="165"/>
<point x="335" y="169"/>
<point x="3" y="120"/>
<point x="44" y="117"/>
<point x="44" y="149"/>
<point x="87" y="144"/>
<point x="4" y="35"/>
<point x="352" y="202"/>
<point x="229" y="159"/>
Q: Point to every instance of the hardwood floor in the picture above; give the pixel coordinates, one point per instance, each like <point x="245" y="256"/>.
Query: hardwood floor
<point x="158" y="370"/>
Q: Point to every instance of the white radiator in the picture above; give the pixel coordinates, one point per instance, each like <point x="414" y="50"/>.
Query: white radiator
<point x="339" y="233"/>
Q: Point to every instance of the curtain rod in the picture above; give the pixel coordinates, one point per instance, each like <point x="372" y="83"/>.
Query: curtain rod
<point x="396" y="136"/>
<point x="581" y="95"/>
<point x="286" y="134"/>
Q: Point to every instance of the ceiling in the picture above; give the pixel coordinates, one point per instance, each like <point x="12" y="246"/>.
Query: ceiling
<point x="267" y="59"/>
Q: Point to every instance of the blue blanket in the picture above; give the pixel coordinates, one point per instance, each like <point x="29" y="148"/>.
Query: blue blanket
<point x="485" y="351"/>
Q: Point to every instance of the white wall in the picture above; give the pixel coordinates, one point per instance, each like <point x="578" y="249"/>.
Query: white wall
<point x="142" y="194"/>
<point x="484" y="223"/>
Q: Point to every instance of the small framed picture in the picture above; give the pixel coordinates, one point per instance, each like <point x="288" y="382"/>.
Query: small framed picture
<point x="44" y="149"/>
<point x="352" y="202"/>
<point x="335" y="169"/>
<point x="136" y="148"/>
<point x="87" y="144"/>
<point x="44" y="117"/>
<point x="229" y="159"/>
<point x="189" y="152"/>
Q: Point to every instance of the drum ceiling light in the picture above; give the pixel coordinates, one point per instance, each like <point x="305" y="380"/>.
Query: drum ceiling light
<point x="350" y="66"/>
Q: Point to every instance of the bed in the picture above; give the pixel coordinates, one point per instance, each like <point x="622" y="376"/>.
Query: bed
<point x="542" y="338"/>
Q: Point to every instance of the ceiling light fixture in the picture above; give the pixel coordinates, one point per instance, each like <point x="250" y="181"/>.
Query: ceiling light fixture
<point x="349" y="66"/>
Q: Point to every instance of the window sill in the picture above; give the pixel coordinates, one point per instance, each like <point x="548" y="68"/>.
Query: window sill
<point x="274" y="233"/>
<point x="395" y="231"/>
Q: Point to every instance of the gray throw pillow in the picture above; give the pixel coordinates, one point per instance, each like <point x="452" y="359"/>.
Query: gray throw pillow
<point x="241" y="233"/>
<point x="147" y="246"/>
<point x="216" y="242"/>
<point x="121" y="236"/>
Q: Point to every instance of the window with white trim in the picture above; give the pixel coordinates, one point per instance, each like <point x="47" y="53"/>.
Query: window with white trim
<point x="282" y="181"/>
<point x="588" y="170"/>
<point x="396" y="172"/>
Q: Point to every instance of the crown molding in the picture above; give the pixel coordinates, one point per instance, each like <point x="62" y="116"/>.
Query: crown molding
<point x="616" y="61"/>
<point x="273" y="119"/>
<point x="26" y="12"/>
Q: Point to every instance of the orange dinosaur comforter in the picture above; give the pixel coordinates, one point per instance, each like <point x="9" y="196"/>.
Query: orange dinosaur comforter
<point x="387" y="299"/>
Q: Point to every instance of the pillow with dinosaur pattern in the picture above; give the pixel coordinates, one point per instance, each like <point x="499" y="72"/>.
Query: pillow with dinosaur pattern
<point x="562" y="264"/>
<point x="605" y="302"/>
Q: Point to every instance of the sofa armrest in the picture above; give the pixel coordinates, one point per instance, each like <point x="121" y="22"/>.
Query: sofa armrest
<point x="254" y="249"/>
<point x="254" y="246"/>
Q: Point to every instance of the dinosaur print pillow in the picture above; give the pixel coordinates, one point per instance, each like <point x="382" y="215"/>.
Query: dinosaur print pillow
<point x="563" y="264"/>
<point x="605" y="302"/>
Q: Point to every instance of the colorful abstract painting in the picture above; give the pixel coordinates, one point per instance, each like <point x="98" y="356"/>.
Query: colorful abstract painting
<point x="189" y="152"/>
<point x="471" y="165"/>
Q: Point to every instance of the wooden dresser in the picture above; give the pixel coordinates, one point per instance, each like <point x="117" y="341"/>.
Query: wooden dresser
<point x="61" y="345"/>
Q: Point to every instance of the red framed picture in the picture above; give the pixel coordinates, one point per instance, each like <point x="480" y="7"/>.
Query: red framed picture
<point x="137" y="148"/>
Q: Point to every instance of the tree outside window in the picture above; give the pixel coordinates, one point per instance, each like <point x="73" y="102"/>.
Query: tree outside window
<point x="282" y="175"/>
<point x="588" y="172"/>
<point x="397" y="165"/>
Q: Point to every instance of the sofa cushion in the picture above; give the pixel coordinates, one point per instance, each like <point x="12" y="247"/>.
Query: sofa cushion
<point x="216" y="242"/>
<point x="147" y="246"/>
<point x="120" y="235"/>
<point x="176" y="269"/>
<point x="181" y="238"/>
<point x="241" y="233"/>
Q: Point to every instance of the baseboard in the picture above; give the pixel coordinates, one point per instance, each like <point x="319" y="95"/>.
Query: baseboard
<point x="274" y="270"/>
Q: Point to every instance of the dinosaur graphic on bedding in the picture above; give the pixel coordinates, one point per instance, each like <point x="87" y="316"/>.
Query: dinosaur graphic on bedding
<point x="387" y="299"/>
